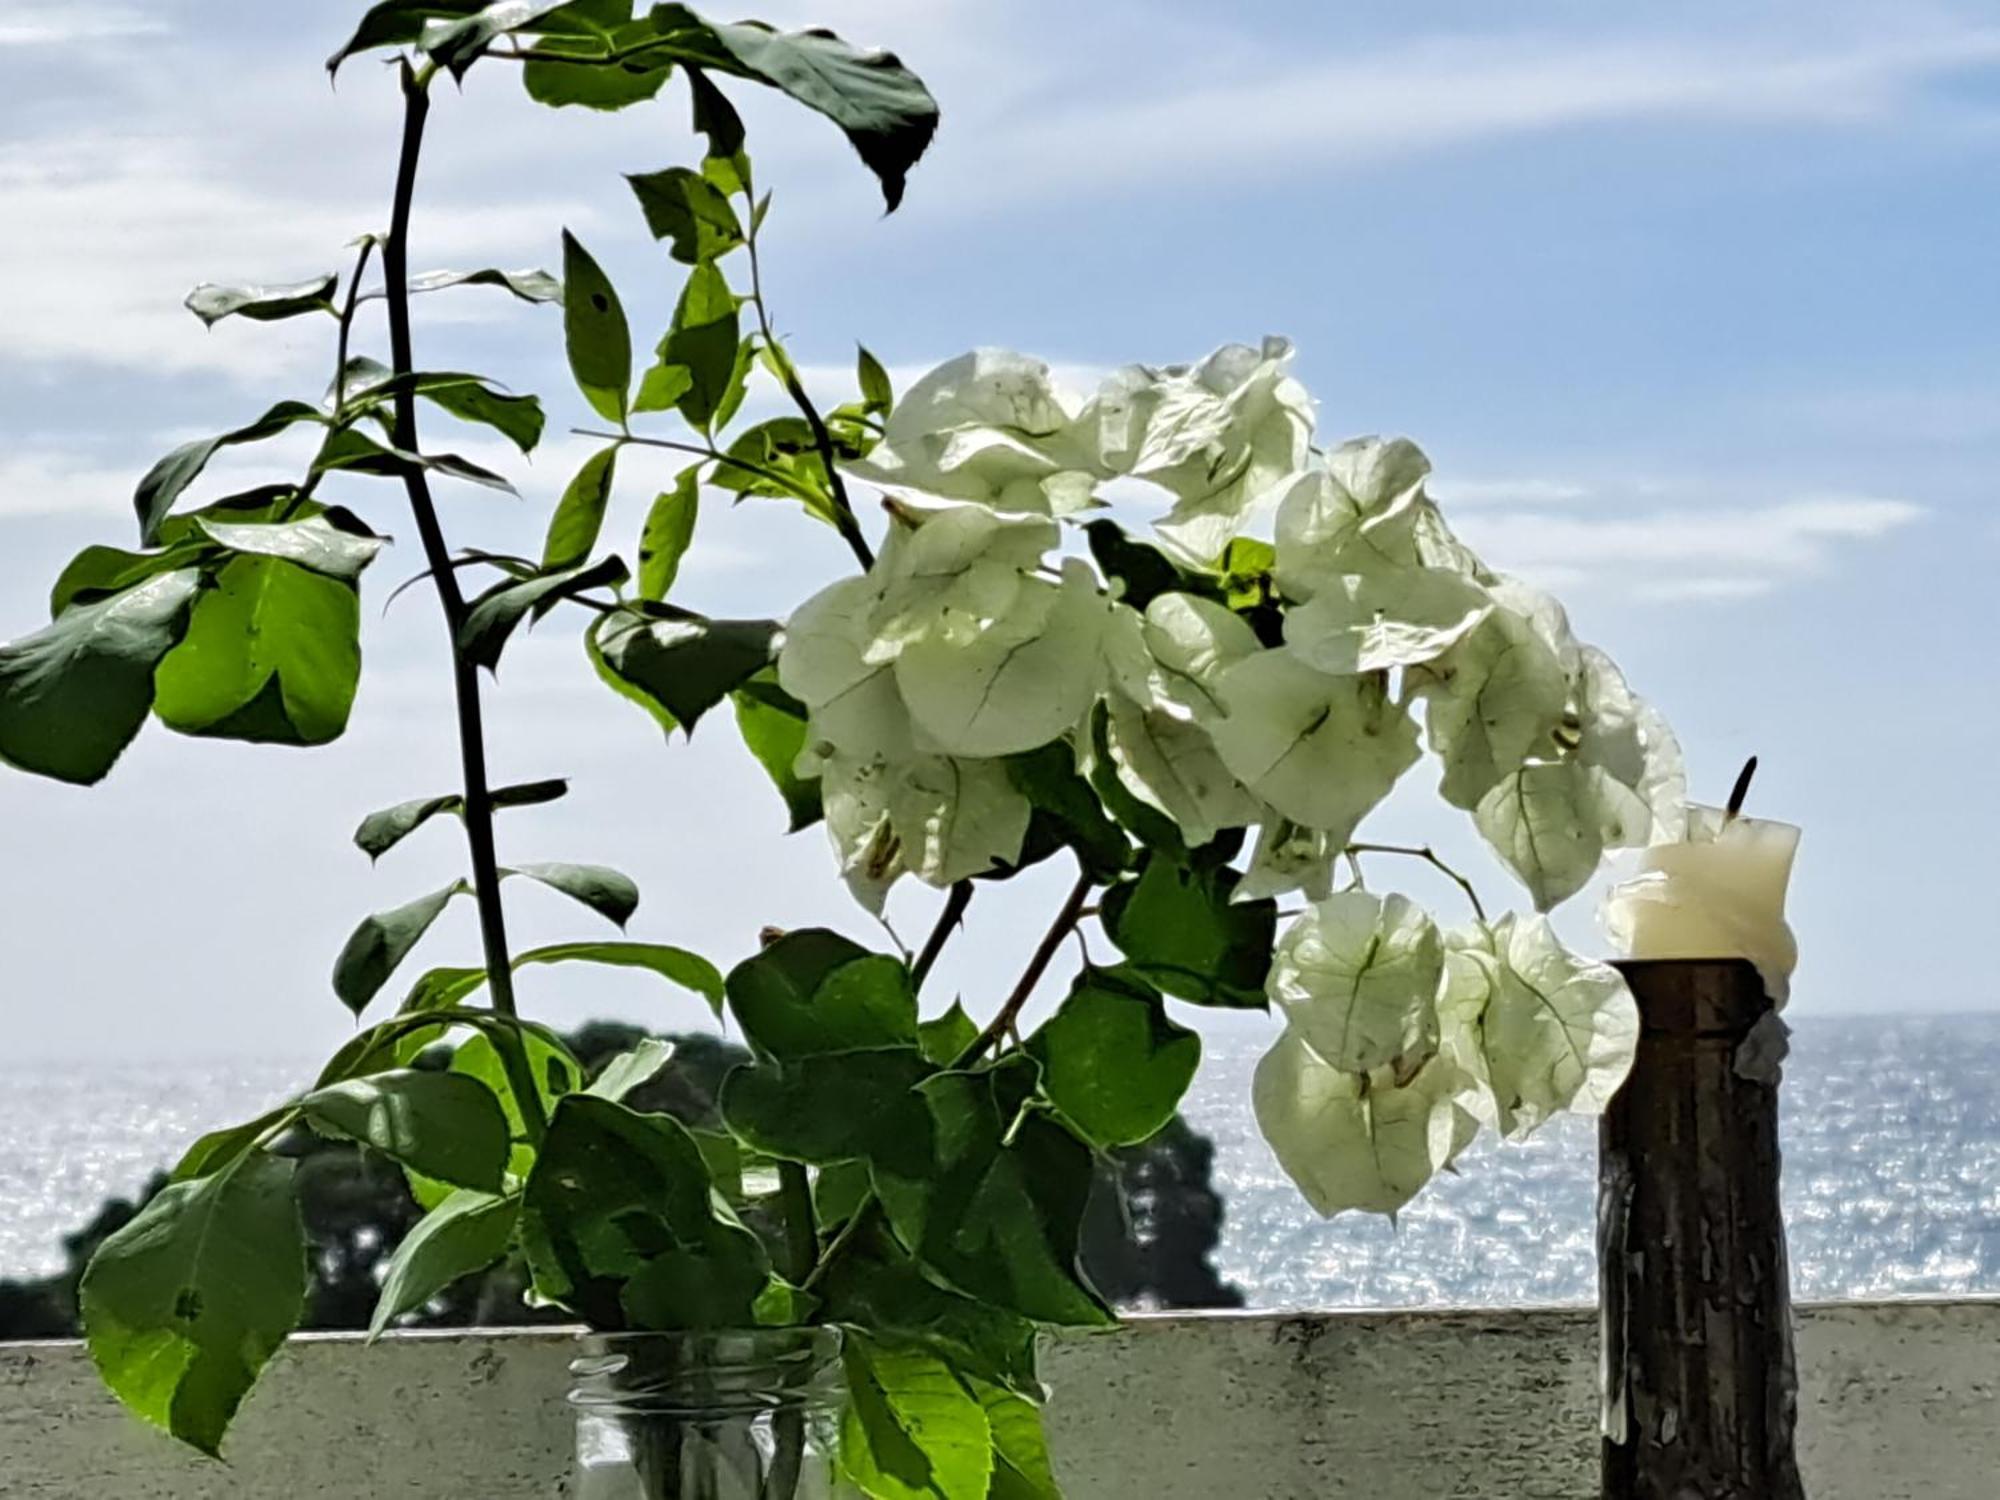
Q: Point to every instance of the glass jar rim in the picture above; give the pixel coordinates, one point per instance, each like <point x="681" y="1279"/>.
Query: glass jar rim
<point x="719" y="1372"/>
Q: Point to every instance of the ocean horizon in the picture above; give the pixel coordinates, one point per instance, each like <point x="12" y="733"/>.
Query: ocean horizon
<point x="1891" y="1134"/>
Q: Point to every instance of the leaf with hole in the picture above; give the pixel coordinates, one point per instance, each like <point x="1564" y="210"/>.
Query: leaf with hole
<point x="668" y="534"/>
<point x="183" y="1306"/>
<point x="598" y="337"/>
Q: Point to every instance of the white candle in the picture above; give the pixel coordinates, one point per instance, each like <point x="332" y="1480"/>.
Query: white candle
<point x="1718" y="894"/>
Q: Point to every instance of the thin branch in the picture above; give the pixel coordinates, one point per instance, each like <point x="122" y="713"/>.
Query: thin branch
<point x="791" y="486"/>
<point x="801" y="1228"/>
<point x="947" y="923"/>
<point x="1052" y="940"/>
<point x="347" y="327"/>
<point x="478" y="811"/>
<point x="1429" y="857"/>
<point x="844" y="519"/>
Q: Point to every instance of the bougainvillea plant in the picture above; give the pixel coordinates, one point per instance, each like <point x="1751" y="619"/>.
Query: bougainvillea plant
<point x="1198" y="721"/>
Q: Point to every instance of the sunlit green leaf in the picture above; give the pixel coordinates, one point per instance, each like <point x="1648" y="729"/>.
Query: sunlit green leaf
<point x="462" y="1236"/>
<point x="579" y="517"/>
<point x="911" y="1430"/>
<point x="814" y="991"/>
<point x="169" y="478"/>
<point x="704" y="342"/>
<point x="1112" y="1060"/>
<point x="668" y="534"/>
<point x="183" y="1306"/>
<point x="773" y="725"/>
<point x="1180" y="928"/>
<point x="676" y="965"/>
<point x="443" y="1125"/>
<point x="496" y="614"/>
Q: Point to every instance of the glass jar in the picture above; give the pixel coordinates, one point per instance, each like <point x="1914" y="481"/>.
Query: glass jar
<point x="741" y="1415"/>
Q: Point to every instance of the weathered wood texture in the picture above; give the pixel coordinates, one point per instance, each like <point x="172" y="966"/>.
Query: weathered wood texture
<point x="1901" y="1401"/>
<point x="1700" y="1398"/>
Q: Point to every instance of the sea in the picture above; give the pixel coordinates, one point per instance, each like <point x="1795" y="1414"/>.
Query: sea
<point x="1891" y="1141"/>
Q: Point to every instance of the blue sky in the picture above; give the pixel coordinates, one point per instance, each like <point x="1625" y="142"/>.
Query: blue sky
<point x="1693" y="307"/>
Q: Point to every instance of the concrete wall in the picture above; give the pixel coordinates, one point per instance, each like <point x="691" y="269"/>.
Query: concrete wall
<point x="1901" y="1402"/>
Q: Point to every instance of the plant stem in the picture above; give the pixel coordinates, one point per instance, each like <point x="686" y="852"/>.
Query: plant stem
<point x="791" y="486"/>
<point x="844" y="518"/>
<point x="947" y="923"/>
<point x="1068" y="917"/>
<point x="347" y="327"/>
<point x="1429" y="856"/>
<point x="451" y="599"/>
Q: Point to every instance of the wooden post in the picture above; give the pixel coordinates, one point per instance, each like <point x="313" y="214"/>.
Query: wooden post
<point x="1699" y="1386"/>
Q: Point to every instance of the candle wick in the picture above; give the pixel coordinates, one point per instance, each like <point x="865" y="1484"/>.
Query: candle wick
<point x="1741" y="790"/>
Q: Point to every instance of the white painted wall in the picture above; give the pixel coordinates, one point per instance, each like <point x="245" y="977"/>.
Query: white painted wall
<point x="1901" y="1402"/>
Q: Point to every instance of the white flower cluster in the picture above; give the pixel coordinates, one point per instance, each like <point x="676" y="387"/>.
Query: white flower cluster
<point x="974" y="638"/>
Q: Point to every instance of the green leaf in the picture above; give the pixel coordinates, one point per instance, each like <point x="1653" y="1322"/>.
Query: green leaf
<point x="684" y="207"/>
<point x="272" y="655"/>
<point x="332" y="542"/>
<point x="779" y="459"/>
<point x="878" y="395"/>
<point x="945" y="1039"/>
<point x="461" y="43"/>
<point x="382" y="831"/>
<point x="381" y="943"/>
<point x="669" y="533"/>
<point x="825" y="1107"/>
<point x="611" y="895"/>
<point x="991" y="1196"/>
<point x="442" y="989"/>
<point x="168" y="479"/>
<point x="595" y="85"/>
<point x="183" y="1306"/>
<point x="675" y="965"/>
<point x="462" y="1236"/>
<point x="98" y="571"/>
<point x="1069" y="810"/>
<point x="579" y="517"/>
<point x="704" y="341"/>
<point x="911" y="1430"/>
<point x="348" y="450"/>
<point x="874" y="1284"/>
<point x="1021" y="1467"/>
<point x="593" y="647"/>
<point x="497" y="613"/>
<point x="1358" y="977"/>
<point x="551" y="1065"/>
<point x="839" y="1192"/>
<point x="884" y="109"/>
<point x="632" y="1070"/>
<point x="773" y="724"/>
<point x="813" y="991"/>
<point x="529" y="286"/>
<point x="262" y="304"/>
<point x="617" y="1197"/>
<point x="661" y="388"/>
<point x="399" y="23"/>
<point x="1181" y="930"/>
<point x="471" y="398"/>
<point x="1113" y="1061"/>
<point x="684" y="665"/>
<point x="443" y="1125"/>
<point x="599" y="338"/>
<point x="73" y="695"/>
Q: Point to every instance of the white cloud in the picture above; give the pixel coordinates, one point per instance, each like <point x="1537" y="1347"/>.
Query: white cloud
<point x="37" y="25"/>
<point x="1363" y="109"/>
<point x="1509" y="492"/>
<point x="1685" y="554"/>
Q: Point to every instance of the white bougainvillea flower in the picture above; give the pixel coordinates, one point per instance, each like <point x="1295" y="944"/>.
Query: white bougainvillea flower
<point x="1471" y="974"/>
<point x="1493" y="701"/>
<point x="1357" y="1141"/>
<point x="855" y="793"/>
<point x="1552" y="821"/>
<point x="1170" y="658"/>
<point x="1357" y="976"/>
<point x="992" y="427"/>
<point x="1376" y="622"/>
<point x="1018" y="687"/>
<point x="956" y="818"/>
<point x="1222" y="437"/>
<point x="951" y="574"/>
<point x="1631" y="740"/>
<point x="853" y="705"/>
<point x="1559" y="1031"/>
<point x="1288" y="858"/>
<point x="1357" y="512"/>
<point x="1170" y="764"/>
<point x="1322" y="750"/>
